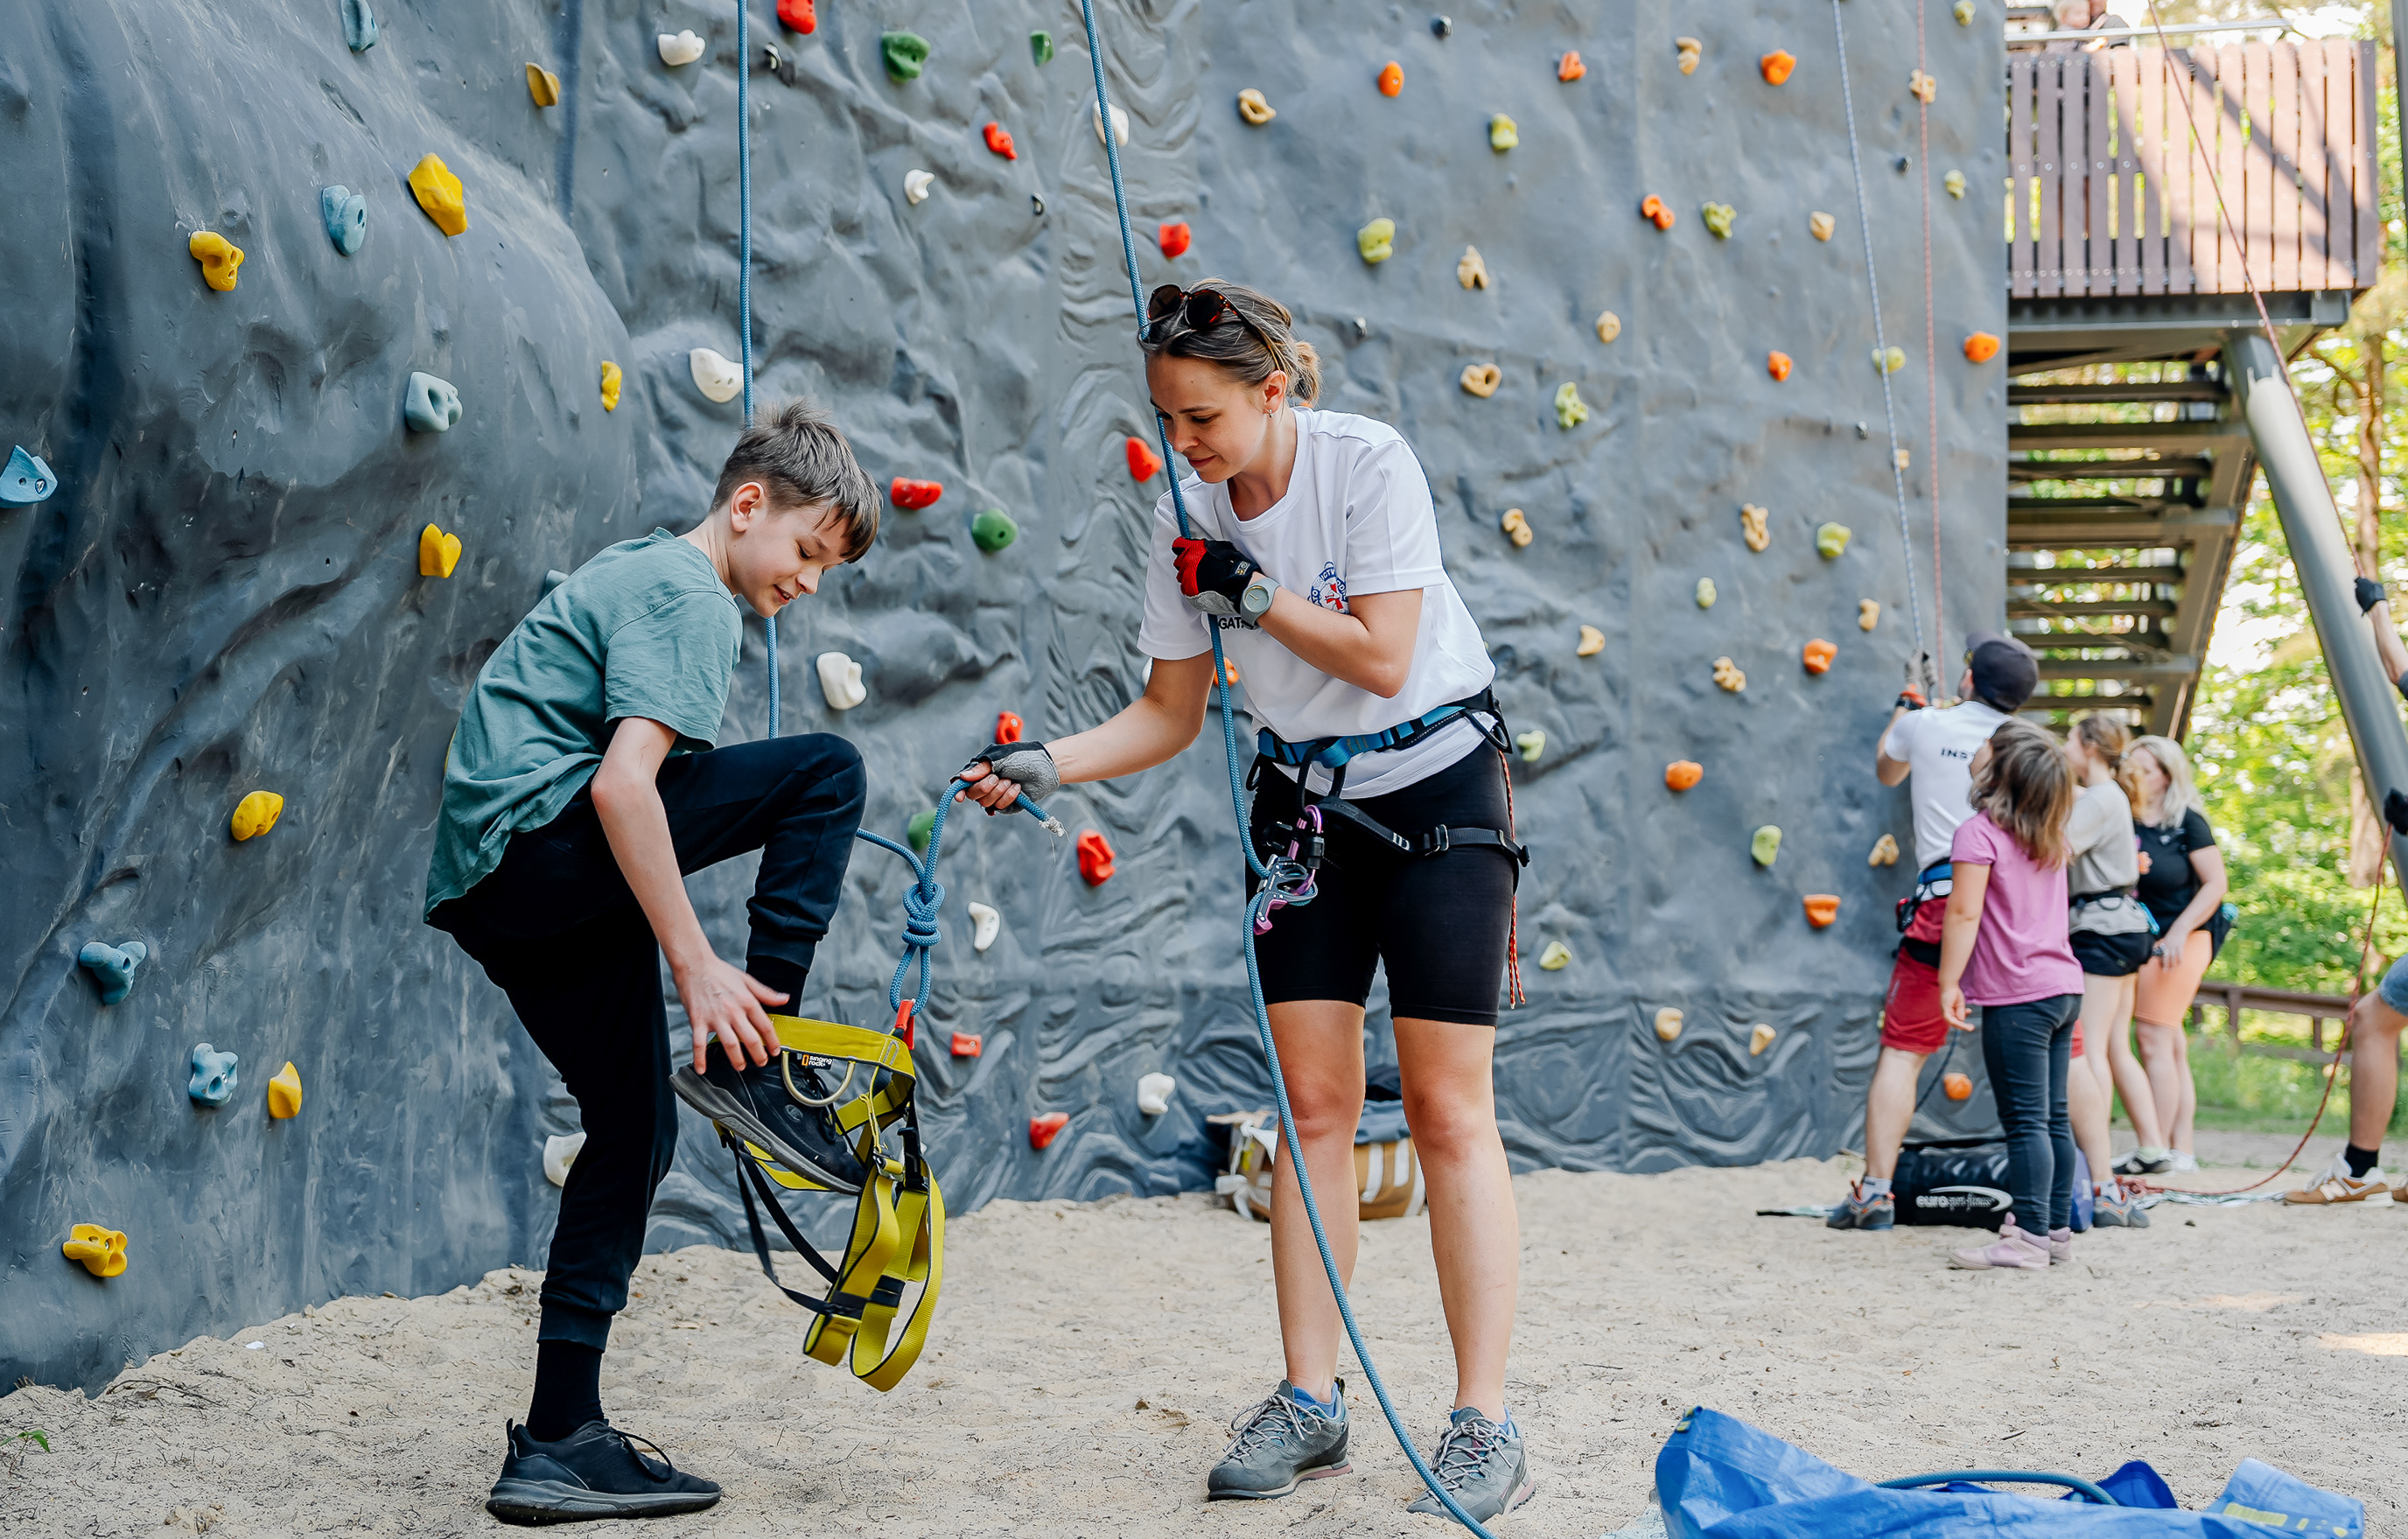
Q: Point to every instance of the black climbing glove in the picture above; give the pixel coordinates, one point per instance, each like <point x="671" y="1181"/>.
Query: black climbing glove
<point x="2370" y="593"/>
<point x="1026" y="764"/>
<point x="1212" y="574"/>
<point x="2395" y="812"/>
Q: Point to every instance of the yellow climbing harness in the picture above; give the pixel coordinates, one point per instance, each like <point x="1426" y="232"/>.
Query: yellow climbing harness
<point x="899" y="1222"/>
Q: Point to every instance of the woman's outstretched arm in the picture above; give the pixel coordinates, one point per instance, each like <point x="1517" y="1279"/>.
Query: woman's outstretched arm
<point x="1154" y="727"/>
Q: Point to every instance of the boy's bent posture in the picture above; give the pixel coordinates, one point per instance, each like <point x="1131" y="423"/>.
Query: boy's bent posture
<point x="574" y="802"/>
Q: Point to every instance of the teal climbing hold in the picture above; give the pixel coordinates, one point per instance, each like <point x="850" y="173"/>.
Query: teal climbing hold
<point x="27" y="479"/>
<point x="922" y="825"/>
<point x="346" y="213"/>
<point x="993" y="530"/>
<point x="213" y="1075"/>
<point x="112" y="966"/>
<point x="906" y="53"/>
<point x="1041" y="45"/>
<point x="359" y="25"/>
<point x="430" y="405"/>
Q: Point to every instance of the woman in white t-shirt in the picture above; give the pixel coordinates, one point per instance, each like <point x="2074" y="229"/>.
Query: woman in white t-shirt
<point x="1316" y="554"/>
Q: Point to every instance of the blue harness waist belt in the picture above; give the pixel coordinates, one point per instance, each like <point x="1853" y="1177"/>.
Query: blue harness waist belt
<point x="1332" y="753"/>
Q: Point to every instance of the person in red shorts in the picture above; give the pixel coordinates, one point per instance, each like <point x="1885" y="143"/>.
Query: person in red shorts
<point x="1932" y="750"/>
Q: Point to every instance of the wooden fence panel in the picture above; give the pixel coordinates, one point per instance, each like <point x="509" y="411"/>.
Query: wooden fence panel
<point x="2021" y="172"/>
<point x="2284" y="111"/>
<point x="2366" y="207"/>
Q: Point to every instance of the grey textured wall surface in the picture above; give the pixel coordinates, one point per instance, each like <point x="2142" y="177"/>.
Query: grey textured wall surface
<point x="224" y="594"/>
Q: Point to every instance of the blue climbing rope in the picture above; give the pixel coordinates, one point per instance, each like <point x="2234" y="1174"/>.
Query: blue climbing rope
<point x="926" y="895"/>
<point x="1284" y="880"/>
<point x="744" y="280"/>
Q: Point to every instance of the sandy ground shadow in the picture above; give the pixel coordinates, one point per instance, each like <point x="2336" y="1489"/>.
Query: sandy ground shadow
<point x="1087" y="1357"/>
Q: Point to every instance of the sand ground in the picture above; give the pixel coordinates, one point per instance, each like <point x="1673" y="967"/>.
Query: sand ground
<point x="1087" y="1357"/>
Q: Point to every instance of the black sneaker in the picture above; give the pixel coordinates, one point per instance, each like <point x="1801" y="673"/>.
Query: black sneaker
<point x="595" y="1472"/>
<point x="2132" y="1164"/>
<point x="760" y="1106"/>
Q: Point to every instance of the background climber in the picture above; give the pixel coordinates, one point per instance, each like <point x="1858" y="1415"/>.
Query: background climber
<point x="1319" y="561"/>
<point x="574" y="802"/>
<point x="1932" y="749"/>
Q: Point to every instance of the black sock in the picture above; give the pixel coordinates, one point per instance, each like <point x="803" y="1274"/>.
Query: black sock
<point x="784" y="977"/>
<point x="567" y="1389"/>
<point x="2361" y="1160"/>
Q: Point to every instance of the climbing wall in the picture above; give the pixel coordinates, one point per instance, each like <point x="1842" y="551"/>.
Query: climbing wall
<point x="224" y="591"/>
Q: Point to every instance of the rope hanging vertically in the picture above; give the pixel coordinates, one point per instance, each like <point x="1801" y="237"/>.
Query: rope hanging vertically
<point x="744" y="280"/>
<point x="1931" y="332"/>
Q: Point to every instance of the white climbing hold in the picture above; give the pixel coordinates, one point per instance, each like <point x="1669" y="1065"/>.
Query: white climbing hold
<point x="1592" y="642"/>
<point x="1470" y="270"/>
<point x="1556" y="957"/>
<point x="916" y="184"/>
<point x="679" y="47"/>
<point x="984" y="924"/>
<point x="559" y="1153"/>
<point x="1667" y="1024"/>
<point x="1154" y="1093"/>
<point x="1120" y="123"/>
<point x="1868" y="614"/>
<point x="841" y="681"/>
<point x="715" y="374"/>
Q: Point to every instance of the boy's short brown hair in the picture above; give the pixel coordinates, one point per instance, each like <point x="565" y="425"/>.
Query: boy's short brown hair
<point x="795" y="452"/>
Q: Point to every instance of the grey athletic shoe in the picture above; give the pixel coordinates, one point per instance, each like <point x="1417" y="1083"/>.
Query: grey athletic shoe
<point x="766" y="1108"/>
<point x="1282" y="1443"/>
<point x="2121" y="1211"/>
<point x="1482" y="1465"/>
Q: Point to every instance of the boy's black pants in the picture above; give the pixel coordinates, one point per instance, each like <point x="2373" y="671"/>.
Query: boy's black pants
<point x="556" y="927"/>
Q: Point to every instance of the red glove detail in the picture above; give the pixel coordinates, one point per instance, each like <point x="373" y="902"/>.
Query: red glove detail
<point x="1189" y="553"/>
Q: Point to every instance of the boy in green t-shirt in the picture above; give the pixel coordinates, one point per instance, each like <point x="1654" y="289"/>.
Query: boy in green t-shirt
<point x="580" y="787"/>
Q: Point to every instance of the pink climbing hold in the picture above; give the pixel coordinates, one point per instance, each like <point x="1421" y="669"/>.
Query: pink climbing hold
<point x="999" y="138"/>
<point x="1043" y="1130"/>
<point x="1175" y="239"/>
<point x="1144" y="463"/>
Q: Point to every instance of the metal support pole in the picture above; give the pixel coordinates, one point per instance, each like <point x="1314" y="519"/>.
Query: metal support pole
<point x="2321" y="557"/>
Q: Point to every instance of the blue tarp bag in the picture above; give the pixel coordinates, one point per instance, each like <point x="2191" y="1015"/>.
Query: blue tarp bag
<point x="1720" y="1478"/>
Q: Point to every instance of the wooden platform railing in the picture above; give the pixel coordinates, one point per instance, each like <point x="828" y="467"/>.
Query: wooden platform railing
<point x="2237" y="997"/>
<point x="2111" y="193"/>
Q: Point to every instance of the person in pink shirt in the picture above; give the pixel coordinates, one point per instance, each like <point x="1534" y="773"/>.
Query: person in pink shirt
<point x="2003" y="946"/>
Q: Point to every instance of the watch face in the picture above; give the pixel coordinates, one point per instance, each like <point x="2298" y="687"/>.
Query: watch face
<point x="1258" y="595"/>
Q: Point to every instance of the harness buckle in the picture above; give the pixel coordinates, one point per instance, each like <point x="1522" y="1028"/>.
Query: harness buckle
<point x="1439" y="840"/>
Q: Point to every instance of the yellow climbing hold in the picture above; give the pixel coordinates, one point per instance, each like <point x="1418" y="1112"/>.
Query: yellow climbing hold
<point x="1830" y="539"/>
<point x="1705" y="592"/>
<point x="1570" y="410"/>
<point x="1256" y="108"/>
<point x="1823" y="224"/>
<point x="1764" y="845"/>
<point x="1868" y="614"/>
<point x="1608" y="326"/>
<point x="1964" y="13"/>
<point x="256" y="813"/>
<point x="1470" y="270"/>
<point x="1517" y="527"/>
<point x="1888" y="361"/>
<point x="1502" y="132"/>
<point x="1556" y="957"/>
<point x="612" y="379"/>
<point x="1592" y="642"/>
<point x="1885" y="851"/>
<point x="101" y="1251"/>
<point x="438" y="191"/>
<point x="1719" y="217"/>
<point x="543" y="85"/>
<point x="437" y="553"/>
<point x="1955" y="182"/>
<point x="217" y="256"/>
<point x="1759" y="1039"/>
<point x="1530" y="744"/>
<point x="1667" y="1024"/>
<point x="1481" y="380"/>
<point x="1751" y="526"/>
<point x="1377" y="241"/>
<point x="285" y="1093"/>
<point x="1922" y="87"/>
<point x="1726" y="673"/>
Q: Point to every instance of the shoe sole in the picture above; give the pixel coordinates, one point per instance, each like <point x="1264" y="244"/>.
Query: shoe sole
<point x="1522" y="1493"/>
<point x="1288" y="1489"/>
<point x="731" y="1114"/>
<point x="534" y="1503"/>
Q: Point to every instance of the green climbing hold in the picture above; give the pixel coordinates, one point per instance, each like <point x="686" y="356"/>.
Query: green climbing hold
<point x="1765" y="845"/>
<point x="906" y="53"/>
<point x="922" y="827"/>
<point x="1041" y="45"/>
<point x="993" y="530"/>
<point x="1570" y="410"/>
<point x="1888" y="361"/>
<point x="1377" y="241"/>
<point x="1719" y="217"/>
<point x="1830" y="539"/>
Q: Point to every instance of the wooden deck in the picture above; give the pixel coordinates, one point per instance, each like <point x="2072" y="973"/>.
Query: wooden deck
<point x="2111" y="193"/>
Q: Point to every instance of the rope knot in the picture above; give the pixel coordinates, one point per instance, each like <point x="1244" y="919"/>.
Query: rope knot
<point x="921" y="901"/>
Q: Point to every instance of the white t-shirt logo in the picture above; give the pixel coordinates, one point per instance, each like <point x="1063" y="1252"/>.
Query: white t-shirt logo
<point x="1329" y="592"/>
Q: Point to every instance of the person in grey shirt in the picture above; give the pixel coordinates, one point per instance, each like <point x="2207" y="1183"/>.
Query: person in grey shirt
<point x="2111" y="932"/>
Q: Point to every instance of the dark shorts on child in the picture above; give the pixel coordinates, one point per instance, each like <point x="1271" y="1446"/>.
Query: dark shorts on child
<point x="1440" y="924"/>
<point x="2112" y="956"/>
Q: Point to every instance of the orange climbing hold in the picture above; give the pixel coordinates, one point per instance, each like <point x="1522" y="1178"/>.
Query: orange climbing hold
<point x="800" y="15"/>
<point x="1391" y="80"/>
<point x="1094" y="858"/>
<point x="999" y="138"/>
<point x="969" y="1045"/>
<point x="1570" y="67"/>
<point x="911" y="496"/>
<point x="1818" y="655"/>
<point x="1652" y="207"/>
<point x="1956" y="1087"/>
<point x="1777" y="66"/>
<point x="1144" y="463"/>
<point x="1777" y="364"/>
<point x="1008" y="727"/>
<point x="1043" y="1130"/>
<point x="1981" y="347"/>
<point x="1174" y="238"/>
<point x="1681" y="773"/>
<point x="1822" y="908"/>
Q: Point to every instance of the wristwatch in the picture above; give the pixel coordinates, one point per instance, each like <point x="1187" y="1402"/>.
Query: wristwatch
<point x="1256" y="601"/>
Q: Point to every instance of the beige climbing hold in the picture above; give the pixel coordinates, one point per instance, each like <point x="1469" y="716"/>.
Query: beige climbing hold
<point x="1955" y="182"/>
<point x="985" y="924"/>
<point x="1759" y="1039"/>
<point x="1120" y="122"/>
<point x="1530" y="744"/>
<point x="560" y="1151"/>
<point x="1667" y="1024"/>
<point x="1592" y="642"/>
<point x="1751" y="526"/>
<point x="1481" y="380"/>
<point x="1868" y="614"/>
<point x="715" y="374"/>
<point x="1823" y="224"/>
<point x="1608" y="326"/>
<point x="1706" y="592"/>
<point x="1691" y="50"/>
<point x="1904" y="459"/>
<point x="841" y="681"/>
<point x="1726" y="673"/>
<point x="1154" y="1093"/>
<point x="1516" y="527"/>
<point x="1922" y="87"/>
<point x="1885" y="851"/>
<point x="916" y="184"/>
<point x="1256" y="108"/>
<point x="1556" y="957"/>
<point x="543" y="85"/>
<point x="679" y="47"/>
<point x="1469" y="270"/>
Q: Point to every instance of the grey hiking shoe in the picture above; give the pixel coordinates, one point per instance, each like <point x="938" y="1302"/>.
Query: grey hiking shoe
<point x="1481" y="1464"/>
<point x="1282" y="1443"/>
<point x="2121" y="1211"/>
<point x="770" y="1108"/>
<point x="1858" y="1211"/>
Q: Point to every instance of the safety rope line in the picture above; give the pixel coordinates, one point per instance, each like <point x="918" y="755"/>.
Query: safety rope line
<point x="1881" y="339"/>
<point x="744" y="281"/>
<point x="1280" y="884"/>
<point x="1930" y="334"/>
<point x="926" y="896"/>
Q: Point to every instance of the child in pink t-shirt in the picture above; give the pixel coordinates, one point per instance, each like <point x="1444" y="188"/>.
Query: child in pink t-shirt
<point x="2003" y="946"/>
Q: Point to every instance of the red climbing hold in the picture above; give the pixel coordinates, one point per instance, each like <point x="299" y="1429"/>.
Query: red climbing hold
<point x="915" y="495"/>
<point x="968" y="1045"/>
<point x="1144" y="463"/>
<point x="800" y="15"/>
<point x="1094" y="858"/>
<point x="1008" y="727"/>
<point x="1042" y="1129"/>
<point x="1174" y="238"/>
<point x="999" y="138"/>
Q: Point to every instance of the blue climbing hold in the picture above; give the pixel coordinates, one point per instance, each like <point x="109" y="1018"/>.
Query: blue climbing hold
<point x="347" y="217"/>
<point x="431" y="405"/>
<point x="112" y="966"/>
<point x="213" y="1075"/>
<point x="27" y="479"/>
<point x="359" y="25"/>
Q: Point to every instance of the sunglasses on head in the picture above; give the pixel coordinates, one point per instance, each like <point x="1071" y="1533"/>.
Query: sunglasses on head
<point x="1195" y="309"/>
